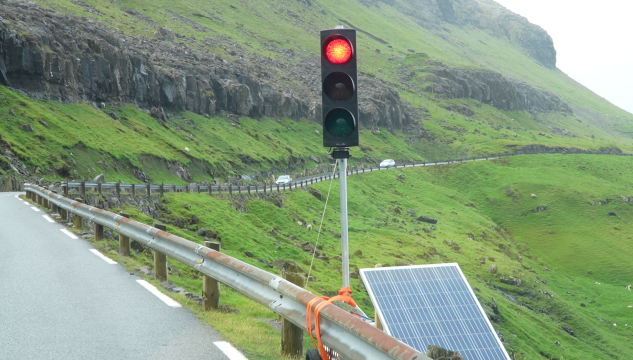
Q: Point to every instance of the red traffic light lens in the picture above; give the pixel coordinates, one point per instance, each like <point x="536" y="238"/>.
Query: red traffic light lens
<point x="338" y="51"/>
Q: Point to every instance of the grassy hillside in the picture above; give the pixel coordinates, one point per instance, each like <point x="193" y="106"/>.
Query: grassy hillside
<point x="560" y="244"/>
<point x="257" y="30"/>
<point x="87" y="140"/>
<point x="485" y="210"/>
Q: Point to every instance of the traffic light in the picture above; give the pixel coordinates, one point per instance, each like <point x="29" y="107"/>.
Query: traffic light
<point x="339" y="88"/>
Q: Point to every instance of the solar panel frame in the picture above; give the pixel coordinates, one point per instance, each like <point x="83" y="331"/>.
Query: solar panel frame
<point x="439" y="329"/>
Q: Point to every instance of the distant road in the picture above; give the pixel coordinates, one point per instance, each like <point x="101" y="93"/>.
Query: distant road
<point x="58" y="300"/>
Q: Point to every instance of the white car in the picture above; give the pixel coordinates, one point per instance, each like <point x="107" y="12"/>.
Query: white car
<point x="387" y="163"/>
<point x="284" y="179"/>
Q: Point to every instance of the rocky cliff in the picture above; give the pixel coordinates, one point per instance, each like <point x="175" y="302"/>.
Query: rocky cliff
<point x="68" y="59"/>
<point x="491" y="88"/>
<point x="488" y="16"/>
<point x="55" y="56"/>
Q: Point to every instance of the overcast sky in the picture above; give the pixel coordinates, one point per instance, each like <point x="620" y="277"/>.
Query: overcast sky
<point x="593" y="41"/>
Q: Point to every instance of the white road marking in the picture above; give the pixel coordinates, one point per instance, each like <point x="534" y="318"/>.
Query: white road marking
<point x="166" y="299"/>
<point x="229" y="350"/>
<point x="35" y="209"/>
<point x="25" y="203"/>
<point x="72" y="236"/>
<point x="103" y="257"/>
<point x="48" y="218"/>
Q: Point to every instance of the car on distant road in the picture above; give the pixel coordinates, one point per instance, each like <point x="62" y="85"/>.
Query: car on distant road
<point x="284" y="180"/>
<point x="387" y="163"/>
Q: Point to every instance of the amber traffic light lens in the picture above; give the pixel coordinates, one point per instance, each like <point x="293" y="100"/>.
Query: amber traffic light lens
<point x="338" y="86"/>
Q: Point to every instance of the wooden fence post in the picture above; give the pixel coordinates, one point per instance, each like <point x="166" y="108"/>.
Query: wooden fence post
<point x="78" y="222"/>
<point x="66" y="189"/>
<point x="210" y="286"/>
<point x="230" y="190"/>
<point x="98" y="232"/>
<point x="249" y="189"/>
<point x="160" y="260"/>
<point x="133" y="189"/>
<point x="161" y="189"/>
<point x="117" y="188"/>
<point x="291" y="334"/>
<point x="124" y="241"/>
<point x="149" y="189"/>
<point x="82" y="189"/>
<point x="99" y="188"/>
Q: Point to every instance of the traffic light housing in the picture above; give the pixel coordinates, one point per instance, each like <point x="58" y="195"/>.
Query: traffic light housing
<point x="339" y="88"/>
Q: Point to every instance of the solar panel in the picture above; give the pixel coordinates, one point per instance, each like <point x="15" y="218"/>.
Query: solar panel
<point x="422" y="305"/>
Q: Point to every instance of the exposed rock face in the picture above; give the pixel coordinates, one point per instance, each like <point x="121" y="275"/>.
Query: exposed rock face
<point x="489" y="17"/>
<point x="68" y="59"/>
<point x="491" y="88"/>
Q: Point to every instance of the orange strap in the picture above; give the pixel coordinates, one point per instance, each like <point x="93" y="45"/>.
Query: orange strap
<point x="344" y="295"/>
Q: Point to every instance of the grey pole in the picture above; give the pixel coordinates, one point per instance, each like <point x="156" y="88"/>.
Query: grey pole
<point x="344" y="242"/>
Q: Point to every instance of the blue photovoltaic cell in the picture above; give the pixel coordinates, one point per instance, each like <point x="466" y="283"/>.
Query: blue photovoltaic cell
<point x="432" y="304"/>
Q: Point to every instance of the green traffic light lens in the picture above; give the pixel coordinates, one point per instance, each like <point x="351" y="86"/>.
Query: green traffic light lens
<point x="339" y="123"/>
<point x="338" y="86"/>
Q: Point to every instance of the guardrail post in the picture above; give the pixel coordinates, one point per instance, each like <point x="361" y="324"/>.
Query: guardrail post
<point x="291" y="334"/>
<point x="210" y="190"/>
<point x="265" y="189"/>
<point x="161" y="189"/>
<point x="277" y="187"/>
<point x="63" y="213"/>
<point x="249" y="189"/>
<point x="82" y="189"/>
<point x="149" y="190"/>
<point x="54" y="207"/>
<point x="117" y="188"/>
<point x="210" y="286"/>
<point x="173" y="187"/>
<point x="98" y="232"/>
<point x="78" y="222"/>
<point x="133" y="190"/>
<point x="66" y="189"/>
<point x="124" y="241"/>
<point x="187" y="188"/>
<point x="99" y="188"/>
<point x="230" y="189"/>
<point x="160" y="260"/>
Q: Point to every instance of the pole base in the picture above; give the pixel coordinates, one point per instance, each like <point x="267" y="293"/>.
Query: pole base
<point x="341" y="153"/>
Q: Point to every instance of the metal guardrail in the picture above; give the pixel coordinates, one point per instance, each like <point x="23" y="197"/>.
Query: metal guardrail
<point x="340" y="331"/>
<point x="300" y="182"/>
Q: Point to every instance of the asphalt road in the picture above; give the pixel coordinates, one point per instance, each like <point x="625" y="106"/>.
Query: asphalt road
<point x="60" y="301"/>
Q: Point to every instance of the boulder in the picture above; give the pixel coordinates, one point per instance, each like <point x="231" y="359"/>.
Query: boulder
<point x="99" y="179"/>
<point x="439" y="353"/>
<point x="202" y="232"/>
<point x="427" y="219"/>
<point x="493" y="269"/>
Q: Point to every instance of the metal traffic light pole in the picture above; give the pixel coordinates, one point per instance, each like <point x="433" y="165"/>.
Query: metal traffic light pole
<point x="342" y="154"/>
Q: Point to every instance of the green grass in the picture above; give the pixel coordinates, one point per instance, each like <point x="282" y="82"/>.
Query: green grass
<point x="557" y="246"/>
<point x="488" y="201"/>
